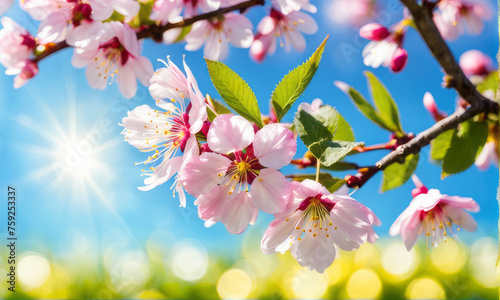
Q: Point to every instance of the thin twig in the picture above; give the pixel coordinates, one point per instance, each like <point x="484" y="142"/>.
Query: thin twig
<point x="156" y="31"/>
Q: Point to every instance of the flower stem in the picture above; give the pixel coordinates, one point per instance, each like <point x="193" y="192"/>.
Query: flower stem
<point x="318" y="167"/>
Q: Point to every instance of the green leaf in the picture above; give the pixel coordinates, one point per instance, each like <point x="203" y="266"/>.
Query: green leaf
<point x="327" y="180"/>
<point x="397" y="174"/>
<point x="295" y="82"/>
<point x="336" y="124"/>
<point x="441" y="143"/>
<point x="235" y="91"/>
<point x="185" y="30"/>
<point x="219" y="107"/>
<point x="316" y="133"/>
<point x="465" y="145"/>
<point x="340" y="166"/>
<point x="371" y="112"/>
<point x="142" y="18"/>
<point x="388" y="110"/>
<point x="489" y="83"/>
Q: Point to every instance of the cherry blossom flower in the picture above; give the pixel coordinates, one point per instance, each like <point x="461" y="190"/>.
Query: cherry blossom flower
<point x="170" y="129"/>
<point x="165" y="11"/>
<point x="25" y="70"/>
<point x="217" y="33"/>
<point x="285" y="29"/>
<point x="118" y="55"/>
<point x="454" y="16"/>
<point x="315" y="221"/>
<point x="475" y="63"/>
<point x="288" y="6"/>
<point x="102" y="10"/>
<point x="191" y="7"/>
<point x="385" y="47"/>
<point x="16" y="43"/>
<point x="5" y="5"/>
<point x="489" y="155"/>
<point x="431" y="106"/>
<point x="433" y="214"/>
<point x="351" y="12"/>
<point x="241" y="174"/>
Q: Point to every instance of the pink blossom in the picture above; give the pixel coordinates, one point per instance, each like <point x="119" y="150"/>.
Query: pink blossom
<point x="315" y="221"/>
<point x="164" y="11"/>
<point x="241" y="174"/>
<point x="285" y="29"/>
<point x="433" y="214"/>
<point x="118" y="55"/>
<point x="374" y="32"/>
<point x="312" y="108"/>
<point x="351" y="12"/>
<point x="456" y="15"/>
<point x="387" y="51"/>
<point x="489" y="155"/>
<point x="170" y="129"/>
<point x="25" y="70"/>
<point x="16" y="43"/>
<point x="217" y="33"/>
<point x="5" y="5"/>
<point x="475" y="62"/>
<point x="103" y="9"/>
<point x="431" y="106"/>
<point x="288" y="6"/>
<point x="191" y="7"/>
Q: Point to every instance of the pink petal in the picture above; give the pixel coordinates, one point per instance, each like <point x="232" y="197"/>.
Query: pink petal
<point x="203" y="172"/>
<point x="210" y="203"/>
<point x="462" y="218"/>
<point x="274" y="145"/>
<point x="314" y="252"/>
<point x="237" y="212"/>
<point x="230" y="133"/>
<point x="163" y="172"/>
<point x="270" y="191"/>
<point x="460" y="202"/>
<point x="143" y="69"/>
<point x="126" y="81"/>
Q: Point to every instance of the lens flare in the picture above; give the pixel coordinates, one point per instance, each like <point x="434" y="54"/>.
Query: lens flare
<point x="34" y="270"/>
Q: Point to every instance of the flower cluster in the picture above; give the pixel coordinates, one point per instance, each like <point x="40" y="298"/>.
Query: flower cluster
<point x="106" y="35"/>
<point x="232" y="168"/>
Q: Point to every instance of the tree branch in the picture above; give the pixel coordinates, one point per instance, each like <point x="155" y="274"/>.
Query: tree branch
<point x="455" y="77"/>
<point x="156" y="31"/>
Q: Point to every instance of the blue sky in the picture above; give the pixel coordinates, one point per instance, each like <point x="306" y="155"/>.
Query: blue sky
<point x="57" y="117"/>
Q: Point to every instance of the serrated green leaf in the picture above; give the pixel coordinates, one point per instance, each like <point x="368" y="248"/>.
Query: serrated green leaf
<point x="465" y="145"/>
<point x="441" y="143"/>
<point x="387" y="108"/>
<point x="330" y="152"/>
<point x="319" y="139"/>
<point x="340" y="166"/>
<point x="397" y="174"/>
<point x="489" y="83"/>
<point x="185" y="30"/>
<point x="295" y="82"/>
<point x="235" y="91"/>
<point x="219" y="107"/>
<point x="327" y="180"/>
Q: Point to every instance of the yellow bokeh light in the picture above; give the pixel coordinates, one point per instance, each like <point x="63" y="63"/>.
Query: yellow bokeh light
<point x="188" y="260"/>
<point x="309" y="284"/>
<point x="151" y="294"/>
<point x="449" y="257"/>
<point x="338" y="270"/>
<point x="399" y="262"/>
<point x="364" y="284"/>
<point x="482" y="262"/>
<point x="234" y="284"/>
<point x="366" y="256"/>
<point x="425" y="288"/>
<point x="34" y="270"/>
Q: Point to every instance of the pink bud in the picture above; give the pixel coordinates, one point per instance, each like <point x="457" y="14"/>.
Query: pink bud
<point x="430" y="104"/>
<point x="420" y="187"/>
<point x="399" y="60"/>
<point x="27" y="70"/>
<point x="374" y="32"/>
<point x="474" y="62"/>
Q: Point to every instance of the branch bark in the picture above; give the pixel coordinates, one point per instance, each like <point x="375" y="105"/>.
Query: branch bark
<point x="156" y="31"/>
<point x="455" y="78"/>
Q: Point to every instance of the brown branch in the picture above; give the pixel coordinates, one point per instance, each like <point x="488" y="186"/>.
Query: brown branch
<point x="455" y="78"/>
<point x="156" y="31"/>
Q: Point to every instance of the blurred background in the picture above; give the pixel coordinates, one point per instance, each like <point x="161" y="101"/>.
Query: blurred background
<point x="85" y="230"/>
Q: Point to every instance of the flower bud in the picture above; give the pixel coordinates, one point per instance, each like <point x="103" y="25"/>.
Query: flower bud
<point x="374" y="32"/>
<point x="474" y="62"/>
<point x="431" y="106"/>
<point x="399" y="60"/>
